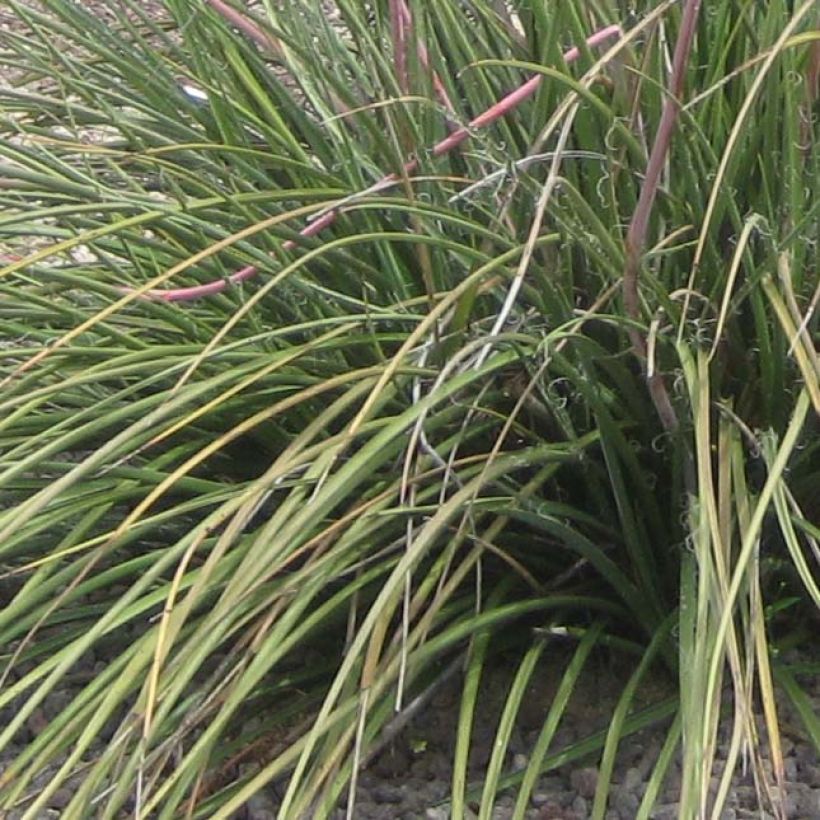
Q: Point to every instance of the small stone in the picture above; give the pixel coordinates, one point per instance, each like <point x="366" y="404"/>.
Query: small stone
<point x="479" y="755"/>
<point x="580" y="807"/>
<point x="385" y="793"/>
<point x="366" y="780"/>
<point x="648" y="759"/>
<point x="550" y="811"/>
<point x="790" y="804"/>
<point x="262" y="814"/>
<point x="260" y="807"/>
<point x="550" y="784"/>
<point x="673" y="783"/>
<point x="632" y="780"/>
<point x="565" y="736"/>
<point x="585" y="781"/>
<point x="631" y="751"/>
<point x="626" y="803"/>
<point x="747" y="795"/>
<point x="519" y="762"/>
<point x="811" y="775"/>
<point x="421" y="769"/>
<point x="56" y="703"/>
<point x="807" y="803"/>
<point x="436" y="813"/>
<point x="60" y="799"/>
<point x="502" y="812"/>
<point x="435" y="791"/>
<point x="667" y="811"/>
<point x="37" y="722"/>
<point x="539" y="799"/>
<point x="790" y="769"/>
<point x="253" y="726"/>
<point x="391" y="764"/>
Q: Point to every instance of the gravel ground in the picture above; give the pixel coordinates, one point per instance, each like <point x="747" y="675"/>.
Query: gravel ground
<point x="416" y="781"/>
<point x="410" y="777"/>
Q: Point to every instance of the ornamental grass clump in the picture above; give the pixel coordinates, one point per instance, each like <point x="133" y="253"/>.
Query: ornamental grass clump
<point x="348" y="348"/>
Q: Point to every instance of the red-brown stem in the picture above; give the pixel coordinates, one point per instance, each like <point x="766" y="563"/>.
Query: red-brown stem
<point x="812" y="93"/>
<point x="636" y="235"/>
<point x="261" y="38"/>
<point x="399" y="23"/>
<point x="403" y="11"/>
<point x="502" y="107"/>
<point x="248" y="27"/>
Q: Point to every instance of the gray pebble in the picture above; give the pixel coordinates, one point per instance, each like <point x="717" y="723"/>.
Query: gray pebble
<point x="585" y="781"/>
<point x="60" y="799"/>
<point x="811" y="775"/>
<point x="667" y="811"/>
<point x="790" y="769"/>
<point x="260" y="807"/>
<point x="259" y="815"/>
<point x="550" y="809"/>
<point x="519" y="762"/>
<point x="625" y="803"/>
<point x="386" y="793"/>
<point x="633" y="781"/>
<point x="631" y="752"/>
<point x="565" y="797"/>
<point x="502" y="813"/>
<point x="788" y="800"/>
<point x="673" y="782"/>
<point x="565" y="736"/>
<point x="648" y="759"/>
<point x="435" y="791"/>
<point x="550" y="784"/>
<point x="807" y="803"/>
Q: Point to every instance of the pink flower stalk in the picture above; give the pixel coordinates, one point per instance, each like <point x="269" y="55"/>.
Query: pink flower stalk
<point x="402" y="21"/>
<point x="502" y="107"/>
<point x="247" y="27"/>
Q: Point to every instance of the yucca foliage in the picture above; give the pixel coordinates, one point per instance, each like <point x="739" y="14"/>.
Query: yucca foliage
<point x="560" y="378"/>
